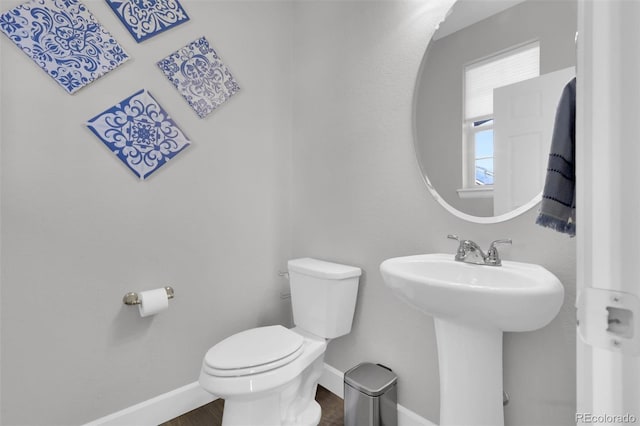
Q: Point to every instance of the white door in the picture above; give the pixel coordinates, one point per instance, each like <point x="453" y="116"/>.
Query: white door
<point x="608" y="213"/>
<point x="524" y="115"/>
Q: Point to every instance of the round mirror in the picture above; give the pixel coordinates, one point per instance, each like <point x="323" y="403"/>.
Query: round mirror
<point x="485" y="103"/>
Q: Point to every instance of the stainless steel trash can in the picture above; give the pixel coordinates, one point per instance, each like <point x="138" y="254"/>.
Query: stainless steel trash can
<point x="370" y="396"/>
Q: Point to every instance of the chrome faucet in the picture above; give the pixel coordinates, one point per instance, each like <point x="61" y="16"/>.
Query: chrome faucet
<point x="470" y="252"/>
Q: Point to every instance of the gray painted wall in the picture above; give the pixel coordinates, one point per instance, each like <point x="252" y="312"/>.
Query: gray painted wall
<point x="79" y="231"/>
<point x="359" y="198"/>
<point x="439" y="99"/>
<point x="335" y="162"/>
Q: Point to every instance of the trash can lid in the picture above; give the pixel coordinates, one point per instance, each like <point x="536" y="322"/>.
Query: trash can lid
<point x="372" y="379"/>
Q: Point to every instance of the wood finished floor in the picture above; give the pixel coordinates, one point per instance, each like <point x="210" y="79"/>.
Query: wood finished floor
<point x="211" y="414"/>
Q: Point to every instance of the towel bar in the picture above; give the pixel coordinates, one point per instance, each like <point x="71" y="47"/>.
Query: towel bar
<point x="133" y="299"/>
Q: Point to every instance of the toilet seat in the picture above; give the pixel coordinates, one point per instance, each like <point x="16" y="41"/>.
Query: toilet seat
<point x="231" y="386"/>
<point x="253" y="351"/>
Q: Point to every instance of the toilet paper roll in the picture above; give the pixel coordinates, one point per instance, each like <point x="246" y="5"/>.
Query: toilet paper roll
<point x="152" y="302"/>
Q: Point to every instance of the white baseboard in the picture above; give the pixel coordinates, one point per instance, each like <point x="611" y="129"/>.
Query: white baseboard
<point x="172" y="404"/>
<point x="160" y="409"/>
<point x="333" y="380"/>
<point x="407" y="417"/>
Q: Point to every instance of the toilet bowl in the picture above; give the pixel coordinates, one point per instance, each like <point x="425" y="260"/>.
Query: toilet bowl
<point x="268" y="375"/>
<point x="276" y="391"/>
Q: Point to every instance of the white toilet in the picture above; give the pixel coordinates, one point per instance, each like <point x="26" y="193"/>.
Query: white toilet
<point x="268" y="375"/>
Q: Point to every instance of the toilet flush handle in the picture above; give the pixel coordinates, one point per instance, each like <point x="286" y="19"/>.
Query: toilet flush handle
<point x="284" y="294"/>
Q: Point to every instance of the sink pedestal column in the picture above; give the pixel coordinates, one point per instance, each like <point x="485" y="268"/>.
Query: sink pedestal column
<point x="470" y="359"/>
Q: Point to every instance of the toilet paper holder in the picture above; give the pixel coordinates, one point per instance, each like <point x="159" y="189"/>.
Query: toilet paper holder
<point x="133" y="299"/>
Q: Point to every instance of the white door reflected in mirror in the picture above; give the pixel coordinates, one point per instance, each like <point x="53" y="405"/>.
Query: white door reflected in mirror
<point x="524" y="116"/>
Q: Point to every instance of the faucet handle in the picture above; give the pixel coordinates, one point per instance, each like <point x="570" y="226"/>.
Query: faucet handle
<point x="493" y="257"/>
<point x="496" y="242"/>
<point x="460" y="253"/>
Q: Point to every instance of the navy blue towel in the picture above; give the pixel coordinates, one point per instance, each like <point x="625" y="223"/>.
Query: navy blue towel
<point x="558" y="207"/>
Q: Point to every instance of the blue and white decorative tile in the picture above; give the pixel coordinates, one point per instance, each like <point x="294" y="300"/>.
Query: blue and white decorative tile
<point x="140" y="132"/>
<point x="64" y="39"/>
<point x="147" y="18"/>
<point x="200" y="76"/>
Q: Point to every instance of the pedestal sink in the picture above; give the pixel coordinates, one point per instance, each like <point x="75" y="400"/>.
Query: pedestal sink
<point x="472" y="306"/>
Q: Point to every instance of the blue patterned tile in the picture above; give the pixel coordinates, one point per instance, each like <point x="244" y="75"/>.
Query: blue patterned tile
<point x="200" y="76"/>
<point x="140" y="133"/>
<point x="147" y="18"/>
<point x="64" y="39"/>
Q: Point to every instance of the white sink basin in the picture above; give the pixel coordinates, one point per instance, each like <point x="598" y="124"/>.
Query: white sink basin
<point x="472" y="305"/>
<point x="512" y="297"/>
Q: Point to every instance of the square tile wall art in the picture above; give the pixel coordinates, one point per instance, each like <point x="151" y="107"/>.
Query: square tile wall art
<point x="200" y="76"/>
<point x="146" y="18"/>
<point x="140" y="133"/>
<point x="64" y="39"/>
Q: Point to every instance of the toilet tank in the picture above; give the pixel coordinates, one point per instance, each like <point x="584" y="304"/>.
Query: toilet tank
<point x="323" y="296"/>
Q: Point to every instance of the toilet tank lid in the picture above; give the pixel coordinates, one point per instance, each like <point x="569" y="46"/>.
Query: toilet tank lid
<point x="322" y="269"/>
